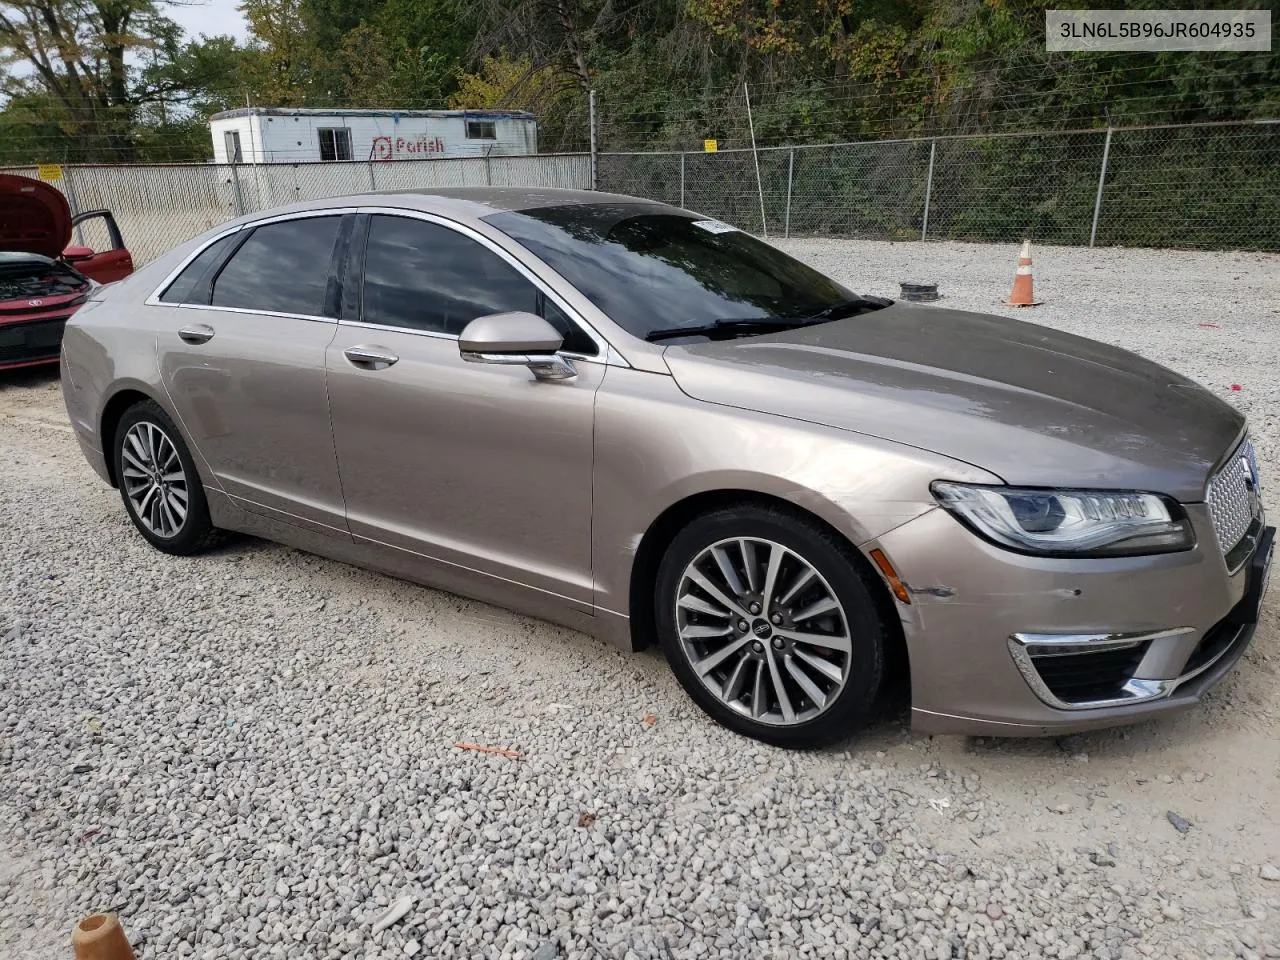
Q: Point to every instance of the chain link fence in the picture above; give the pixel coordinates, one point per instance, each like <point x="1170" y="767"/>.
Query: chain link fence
<point x="1209" y="186"/>
<point x="158" y="207"/>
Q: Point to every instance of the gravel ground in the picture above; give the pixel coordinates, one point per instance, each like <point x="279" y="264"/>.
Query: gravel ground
<point x="251" y="753"/>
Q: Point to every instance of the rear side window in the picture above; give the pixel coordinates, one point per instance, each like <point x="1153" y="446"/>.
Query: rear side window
<point x="186" y="283"/>
<point x="282" y="268"/>
<point x="423" y="276"/>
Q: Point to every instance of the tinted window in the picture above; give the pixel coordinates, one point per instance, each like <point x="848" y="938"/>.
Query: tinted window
<point x="189" y="279"/>
<point x="427" y="277"/>
<point x="283" y="267"/>
<point x="652" y="268"/>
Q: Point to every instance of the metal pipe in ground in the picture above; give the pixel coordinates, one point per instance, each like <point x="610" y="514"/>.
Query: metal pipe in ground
<point x="755" y="156"/>
<point x="1102" y="182"/>
<point x="591" y="124"/>
<point x="928" y="191"/>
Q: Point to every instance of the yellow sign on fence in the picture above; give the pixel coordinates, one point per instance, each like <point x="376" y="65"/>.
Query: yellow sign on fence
<point x="710" y="146"/>
<point x="51" y="172"/>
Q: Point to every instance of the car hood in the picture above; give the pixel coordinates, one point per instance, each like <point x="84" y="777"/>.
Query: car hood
<point x="34" y="217"/>
<point x="1033" y="405"/>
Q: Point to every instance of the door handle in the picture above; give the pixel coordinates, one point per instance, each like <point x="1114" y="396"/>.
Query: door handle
<point x="370" y="358"/>
<point x="196" y="333"/>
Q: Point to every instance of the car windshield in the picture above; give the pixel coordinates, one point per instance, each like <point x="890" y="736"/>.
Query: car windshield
<point x="654" y="269"/>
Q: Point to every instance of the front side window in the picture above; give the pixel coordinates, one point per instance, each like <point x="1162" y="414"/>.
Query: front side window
<point x="335" y="143"/>
<point x="186" y="284"/>
<point x="282" y="268"/>
<point x="424" y="276"/>
<point x="652" y="268"/>
<point x="482" y="130"/>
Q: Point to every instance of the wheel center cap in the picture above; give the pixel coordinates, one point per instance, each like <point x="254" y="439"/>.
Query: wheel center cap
<point x="762" y="629"/>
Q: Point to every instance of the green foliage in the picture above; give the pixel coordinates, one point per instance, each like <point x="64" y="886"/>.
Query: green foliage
<point x="667" y="73"/>
<point x="29" y="132"/>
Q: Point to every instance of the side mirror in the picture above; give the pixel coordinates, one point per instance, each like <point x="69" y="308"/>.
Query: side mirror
<point x="516" y="338"/>
<point x="75" y="254"/>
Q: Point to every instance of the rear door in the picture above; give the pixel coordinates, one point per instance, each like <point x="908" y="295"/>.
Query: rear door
<point x="243" y="360"/>
<point x="110" y="260"/>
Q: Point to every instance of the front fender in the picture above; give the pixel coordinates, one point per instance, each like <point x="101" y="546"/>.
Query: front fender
<point x="656" y="447"/>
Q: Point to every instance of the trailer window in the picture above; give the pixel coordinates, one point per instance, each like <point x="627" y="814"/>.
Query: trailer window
<point x="335" y="143"/>
<point x="481" y="130"/>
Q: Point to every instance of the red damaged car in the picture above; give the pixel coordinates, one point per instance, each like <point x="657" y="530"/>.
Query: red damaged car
<point x="43" y="279"/>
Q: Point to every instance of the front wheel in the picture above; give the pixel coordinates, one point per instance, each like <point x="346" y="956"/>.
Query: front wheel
<point x="159" y="484"/>
<point x="770" y="627"/>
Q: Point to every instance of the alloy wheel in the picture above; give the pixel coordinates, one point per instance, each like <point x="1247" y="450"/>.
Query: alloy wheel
<point x="763" y="630"/>
<point x="154" y="480"/>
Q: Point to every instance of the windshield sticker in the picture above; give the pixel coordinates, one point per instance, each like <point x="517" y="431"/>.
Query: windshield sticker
<point x="714" y="226"/>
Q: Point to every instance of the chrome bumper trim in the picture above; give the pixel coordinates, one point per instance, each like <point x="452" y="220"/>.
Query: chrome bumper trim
<point x="1024" y="646"/>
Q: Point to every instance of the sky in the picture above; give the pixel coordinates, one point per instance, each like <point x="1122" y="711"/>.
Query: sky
<point x="209" y="17"/>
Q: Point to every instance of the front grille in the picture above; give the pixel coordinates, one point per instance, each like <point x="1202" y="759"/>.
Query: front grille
<point x="1085" y="677"/>
<point x="1233" y="497"/>
<point x="35" y="340"/>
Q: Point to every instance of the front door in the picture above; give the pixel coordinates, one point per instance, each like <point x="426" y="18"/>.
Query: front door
<point x="243" y="360"/>
<point x="478" y="466"/>
<point x="104" y="257"/>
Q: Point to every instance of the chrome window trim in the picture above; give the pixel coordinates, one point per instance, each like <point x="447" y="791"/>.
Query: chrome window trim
<point x="606" y="355"/>
<point x="154" y="299"/>
<point x="253" y="313"/>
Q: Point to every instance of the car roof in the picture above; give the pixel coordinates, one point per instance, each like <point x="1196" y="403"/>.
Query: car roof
<point x="462" y="203"/>
<point x="512" y="198"/>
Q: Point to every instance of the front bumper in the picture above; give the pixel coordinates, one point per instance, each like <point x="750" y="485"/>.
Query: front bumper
<point x="995" y="638"/>
<point x="31" y="342"/>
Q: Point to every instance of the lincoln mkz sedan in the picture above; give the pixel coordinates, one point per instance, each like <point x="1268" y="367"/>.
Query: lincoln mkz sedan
<point x="645" y="424"/>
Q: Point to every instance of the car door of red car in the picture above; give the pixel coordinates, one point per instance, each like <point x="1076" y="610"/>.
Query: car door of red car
<point x="103" y="255"/>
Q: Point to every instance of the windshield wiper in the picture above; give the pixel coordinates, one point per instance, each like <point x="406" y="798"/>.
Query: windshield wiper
<point x="836" y="311"/>
<point x="746" y="325"/>
<point x="849" y="308"/>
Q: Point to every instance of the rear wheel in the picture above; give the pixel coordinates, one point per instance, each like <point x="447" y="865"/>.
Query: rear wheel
<point x="159" y="483"/>
<point x="768" y="624"/>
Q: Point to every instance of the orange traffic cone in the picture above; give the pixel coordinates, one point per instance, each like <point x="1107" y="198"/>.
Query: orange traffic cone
<point x="100" y="937"/>
<point x="1022" y="294"/>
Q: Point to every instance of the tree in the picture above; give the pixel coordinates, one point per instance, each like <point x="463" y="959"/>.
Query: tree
<point x="287" y="61"/>
<point x="77" y="51"/>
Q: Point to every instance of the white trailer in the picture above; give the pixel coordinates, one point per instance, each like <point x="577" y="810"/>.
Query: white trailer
<point x="287" y="135"/>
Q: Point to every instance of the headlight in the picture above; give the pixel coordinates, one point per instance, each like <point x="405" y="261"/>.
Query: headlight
<point x="1076" y="523"/>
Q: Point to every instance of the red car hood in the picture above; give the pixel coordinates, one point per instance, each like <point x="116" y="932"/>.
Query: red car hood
<point x="34" y="217"/>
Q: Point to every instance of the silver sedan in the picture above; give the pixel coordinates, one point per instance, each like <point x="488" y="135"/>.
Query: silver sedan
<point x="647" y="425"/>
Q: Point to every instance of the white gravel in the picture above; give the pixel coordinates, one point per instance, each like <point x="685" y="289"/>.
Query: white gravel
<point x="251" y="753"/>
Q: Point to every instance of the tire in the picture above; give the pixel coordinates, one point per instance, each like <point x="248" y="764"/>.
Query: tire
<point x="153" y="497"/>
<point x="796" y="640"/>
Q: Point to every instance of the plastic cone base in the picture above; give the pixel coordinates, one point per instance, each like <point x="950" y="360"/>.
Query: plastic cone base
<point x="100" y="937"/>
